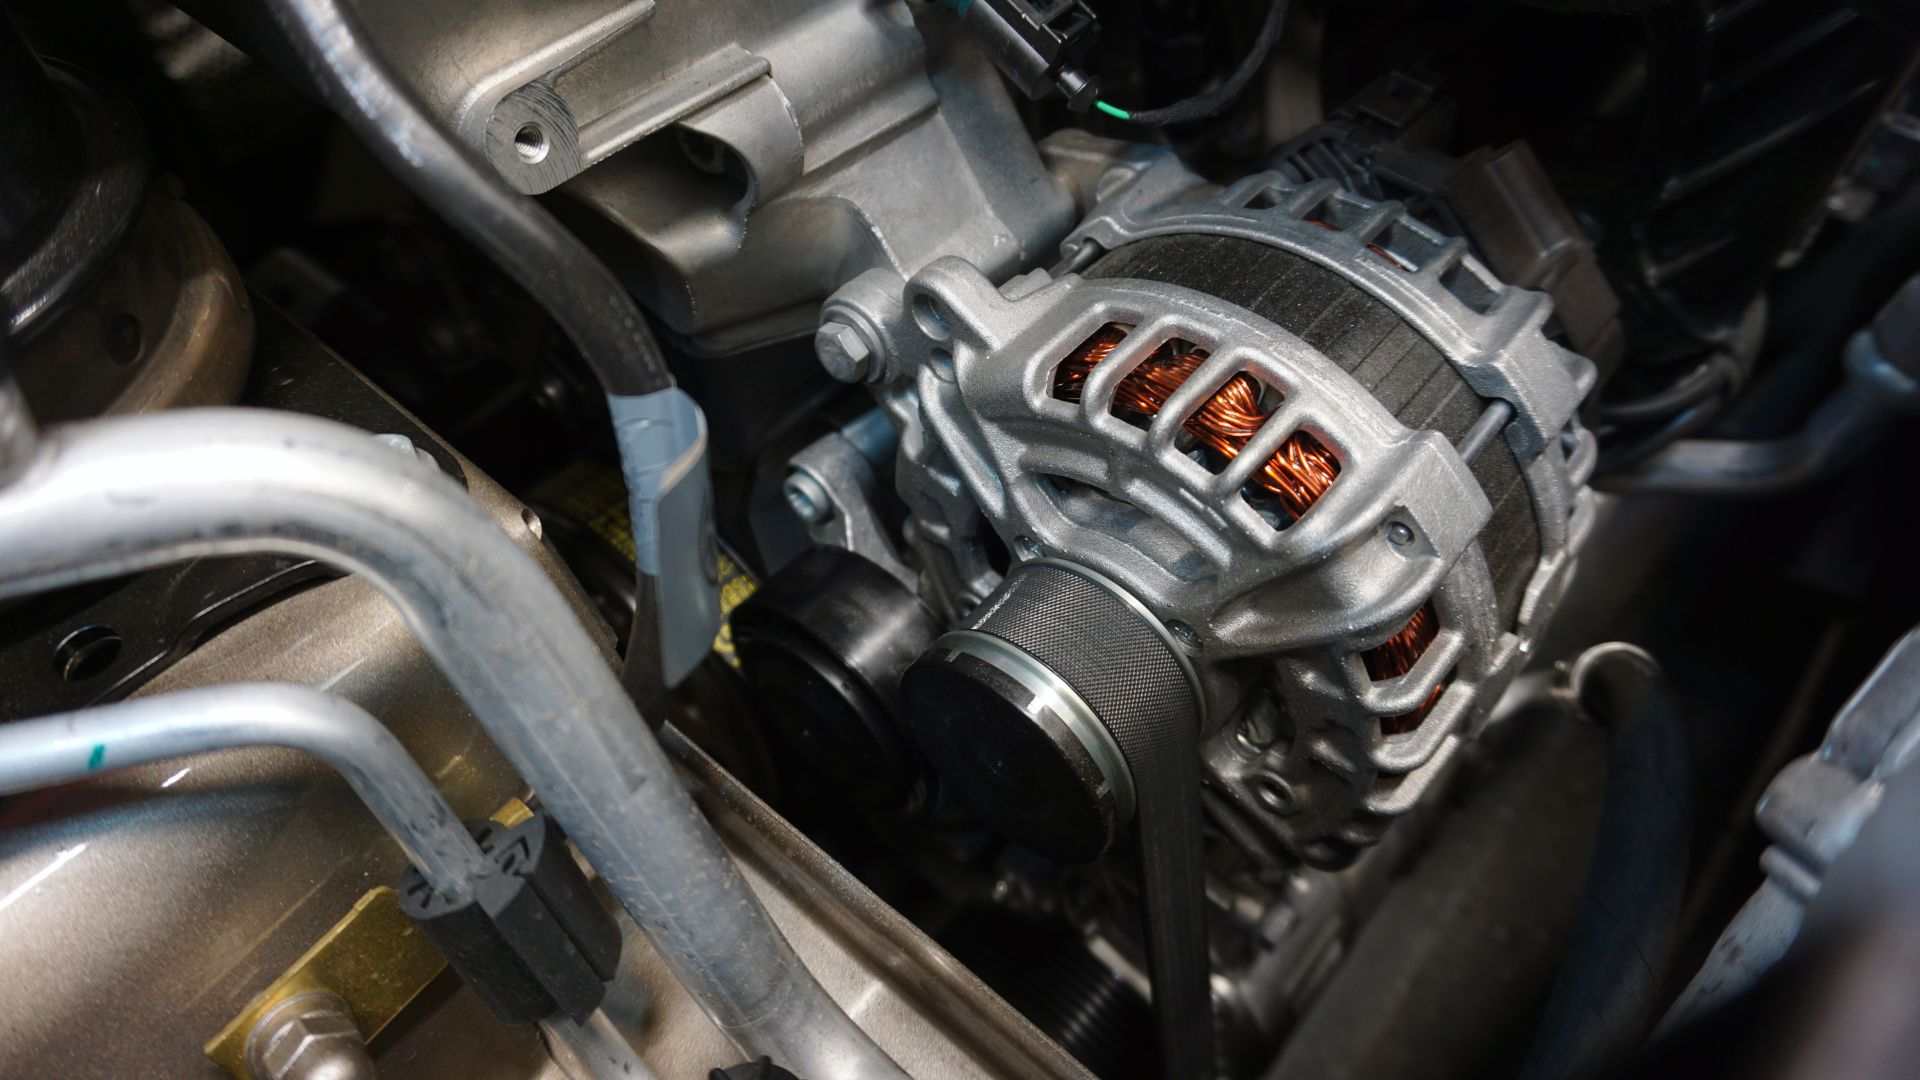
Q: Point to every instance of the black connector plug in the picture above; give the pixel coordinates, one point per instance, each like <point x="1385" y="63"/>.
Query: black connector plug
<point x="1036" y="47"/>
<point x="534" y="942"/>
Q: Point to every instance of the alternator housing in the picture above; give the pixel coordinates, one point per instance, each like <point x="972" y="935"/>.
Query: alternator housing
<point x="1450" y="414"/>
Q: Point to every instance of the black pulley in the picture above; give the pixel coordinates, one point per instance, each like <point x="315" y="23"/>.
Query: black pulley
<point x="823" y="643"/>
<point x="1061" y="711"/>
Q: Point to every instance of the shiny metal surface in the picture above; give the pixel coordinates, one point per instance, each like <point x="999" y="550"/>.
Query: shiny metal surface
<point x="65" y="747"/>
<point x="928" y="1012"/>
<point x="740" y="159"/>
<point x="123" y="494"/>
<point x="1053" y="694"/>
<point x="309" y="1037"/>
<point x="108" y="883"/>
<point x="963" y="364"/>
<point x="593" y="1049"/>
<point x="173" y="315"/>
<point x="925" y="1010"/>
<point x="831" y="484"/>
<point x="591" y="306"/>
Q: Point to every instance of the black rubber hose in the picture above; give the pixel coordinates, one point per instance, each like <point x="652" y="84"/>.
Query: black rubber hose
<point x="1605" y="997"/>
<point x="591" y="306"/>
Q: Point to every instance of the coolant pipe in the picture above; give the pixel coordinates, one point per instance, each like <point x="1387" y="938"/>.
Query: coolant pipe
<point x="72" y="746"/>
<point x="1605" y="996"/>
<point x="114" y="496"/>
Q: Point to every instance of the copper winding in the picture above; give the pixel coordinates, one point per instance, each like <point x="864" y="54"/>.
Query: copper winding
<point x="1396" y="656"/>
<point x="1298" y="473"/>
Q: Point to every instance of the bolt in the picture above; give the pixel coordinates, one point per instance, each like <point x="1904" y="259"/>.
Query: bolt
<point x="843" y="351"/>
<point x="1399" y="534"/>
<point x="808" y="499"/>
<point x="1185" y="635"/>
<point x="309" y="1037"/>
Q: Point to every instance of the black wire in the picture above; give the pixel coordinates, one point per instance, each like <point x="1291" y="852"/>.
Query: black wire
<point x="591" y="306"/>
<point x="1615" y="457"/>
<point x="1202" y="105"/>
<point x="1716" y="375"/>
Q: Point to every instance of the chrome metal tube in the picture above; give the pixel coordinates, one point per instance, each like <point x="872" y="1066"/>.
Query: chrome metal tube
<point x="114" y="496"/>
<point x="17" y="431"/>
<point x="72" y="746"/>
<point x="594" y="1049"/>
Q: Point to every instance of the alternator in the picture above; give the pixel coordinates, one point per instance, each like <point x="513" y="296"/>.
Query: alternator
<point x="1333" y="457"/>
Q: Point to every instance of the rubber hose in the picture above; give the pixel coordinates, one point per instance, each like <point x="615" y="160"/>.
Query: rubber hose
<point x="1606" y="996"/>
<point x="518" y="234"/>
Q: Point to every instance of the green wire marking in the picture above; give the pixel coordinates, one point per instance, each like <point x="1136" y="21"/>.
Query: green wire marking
<point x="1114" y="111"/>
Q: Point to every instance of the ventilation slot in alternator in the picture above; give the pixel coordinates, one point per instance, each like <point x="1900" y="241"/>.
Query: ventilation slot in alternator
<point x="1398" y="655"/>
<point x="1283" y="490"/>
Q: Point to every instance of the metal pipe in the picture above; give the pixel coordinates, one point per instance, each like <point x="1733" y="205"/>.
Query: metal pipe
<point x="72" y="746"/>
<point x="18" y="433"/>
<point x="594" y="1049"/>
<point x="1492" y="420"/>
<point x="589" y="303"/>
<point x="114" y="496"/>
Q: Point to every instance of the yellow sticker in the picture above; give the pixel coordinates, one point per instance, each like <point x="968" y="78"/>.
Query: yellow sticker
<point x="596" y="496"/>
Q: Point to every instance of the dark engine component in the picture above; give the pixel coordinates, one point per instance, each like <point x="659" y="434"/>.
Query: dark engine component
<point x="1103" y="513"/>
<point x="73" y="171"/>
<point x="824" y="643"/>
<point x="535" y="941"/>
<point x="1056" y="710"/>
<point x="1050" y="732"/>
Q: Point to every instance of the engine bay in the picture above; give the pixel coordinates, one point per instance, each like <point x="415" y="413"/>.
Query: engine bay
<point x="1274" y="539"/>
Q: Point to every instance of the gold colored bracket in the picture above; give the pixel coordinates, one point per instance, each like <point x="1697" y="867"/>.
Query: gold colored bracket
<point x="375" y="959"/>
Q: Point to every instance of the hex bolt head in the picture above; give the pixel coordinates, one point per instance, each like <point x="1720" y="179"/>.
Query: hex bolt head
<point x="843" y="351"/>
<point x="807" y="497"/>
<point x="309" y="1036"/>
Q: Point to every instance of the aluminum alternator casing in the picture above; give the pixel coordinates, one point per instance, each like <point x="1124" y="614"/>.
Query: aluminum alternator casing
<point x="1277" y="620"/>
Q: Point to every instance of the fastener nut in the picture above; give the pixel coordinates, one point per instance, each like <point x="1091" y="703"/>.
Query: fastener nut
<point x="309" y="1037"/>
<point x="843" y="351"/>
<point x="808" y="499"/>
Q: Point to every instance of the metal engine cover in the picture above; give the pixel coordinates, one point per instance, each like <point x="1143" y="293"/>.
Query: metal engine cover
<point x="1460" y="483"/>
